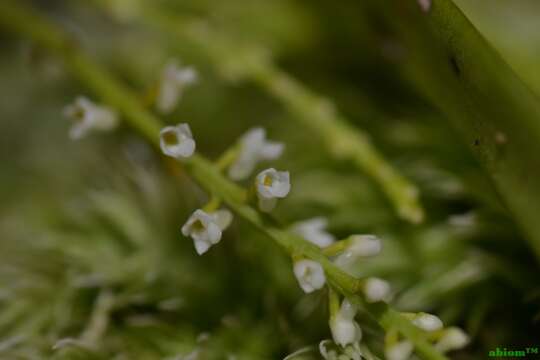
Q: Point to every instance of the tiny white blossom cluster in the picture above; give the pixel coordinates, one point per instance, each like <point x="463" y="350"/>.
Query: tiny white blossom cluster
<point x="174" y="81"/>
<point x="357" y="246"/>
<point x="270" y="184"/>
<point x="206" y="228"/>
<point x="88" y="116"/>
<point x="445" y="339"/>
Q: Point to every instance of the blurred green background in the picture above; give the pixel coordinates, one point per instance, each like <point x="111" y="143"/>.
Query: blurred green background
<point x="83" y="222"/>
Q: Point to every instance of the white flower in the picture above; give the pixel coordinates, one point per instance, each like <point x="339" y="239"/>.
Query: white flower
<point x="174" y="80"/>
<point x="177" y="141"/>
<point x="88" y="116"/>
<point x="253" y="148"/>
<point x="271" y="185"/>
<point x="427" y="322"/>
<point x="400" y="351"/>
<point x="206" y="229"/>
<point x="330" y="351"/>
<point x="359" y="246"/>
<point x="377" y="289"/>
<point x="425" y="5"/>
<point x="310" y="275"/>
<point x="345" y="330"/>
<point x="313" y="230"/>
<point x="453" y="339"/>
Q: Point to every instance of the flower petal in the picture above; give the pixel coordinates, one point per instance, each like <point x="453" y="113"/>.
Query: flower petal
<point x="201" y="246"/>
<point x="400" y="351"/>
<point x="223" y="218"/>
<point x="427" y="322"/>
<point x="271" y="150"/>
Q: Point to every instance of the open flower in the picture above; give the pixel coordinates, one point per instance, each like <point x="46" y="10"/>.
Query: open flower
<point x="376" y="289"/>
<point x="206" y="228"/>
<point x="177" y="141"/>
<point x="453" y="339"/>
<point x="174" y="80"/>
<point x="399" y="351"/>
<point x="359" y="246"/>
<point x="271" y="185"/>
<point x="427" y="322"/>
<point x="253" y="148"/>
<point x="88" y="116"/>
<point x="310" y="275"/>
<point x="345" y="330"/>
<point x="313" y="230"/>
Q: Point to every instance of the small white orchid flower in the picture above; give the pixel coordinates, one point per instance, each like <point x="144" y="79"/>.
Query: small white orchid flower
<point x="177" y="141"/>
<point x="313" y="230"/>
<point x="174" y="80"/>
<point x="310" y="275"/>
<point x="88" y="116"/>
<point x="427" y="322"/>
<point x="345" y="330"/>
<point x="453" y="339"/>
<point x="377" y="289"/>
<point x="271" y="185"/>
<point x="253" y="148"/>
<point x="359" y="246"/>
<point x="399" y="351"/>
<point x="205" y="229"/>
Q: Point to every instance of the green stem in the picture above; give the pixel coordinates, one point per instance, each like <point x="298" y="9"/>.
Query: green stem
<point x="228" y="157"/>
<point x="213" y="204"/>
<point x="313" y="111"/>
<point x="336" y="248"/>
<point x="202" y="170"/>
<point x="333" y="302"/>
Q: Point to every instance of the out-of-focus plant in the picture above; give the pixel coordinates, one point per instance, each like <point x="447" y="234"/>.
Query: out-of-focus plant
<point x="126" y="290"/>
<point x="311" y="267"/>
